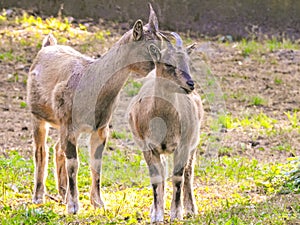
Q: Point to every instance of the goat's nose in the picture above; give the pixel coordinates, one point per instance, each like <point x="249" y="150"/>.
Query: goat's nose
<point x="191" y="84"/>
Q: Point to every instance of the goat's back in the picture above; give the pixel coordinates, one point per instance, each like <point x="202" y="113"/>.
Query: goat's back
<point x="55" y="64"/>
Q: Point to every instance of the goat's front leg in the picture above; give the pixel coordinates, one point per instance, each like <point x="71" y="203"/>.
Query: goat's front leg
<point x="69" y="146"/>
<point x="97" y="145"/>
<point x="61" y="171"/>
<point x="156" y="166"/>
<point x="180" y="160"/>
<point x="189" y="202"/>
<point x="40" y="159"/>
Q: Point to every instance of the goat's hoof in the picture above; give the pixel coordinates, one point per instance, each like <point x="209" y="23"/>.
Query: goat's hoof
<point x="96" y="200"/>
<point x="157" y="220"/>
<point x="97" y="204"/>
<point x="38" y="200"/>
<point x="157" y="216"/>
<point x="190" y="213"/>
<point x="73" y="208"/>
<point x="177" y="215"/>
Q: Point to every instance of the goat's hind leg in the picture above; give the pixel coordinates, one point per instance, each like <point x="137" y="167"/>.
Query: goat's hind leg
<point x="69" y="147"/>
<point x="97" y="145"/>
<point x="189" y="202"/>
<point x="40" y="132"/>
<point x="61" y="171"/>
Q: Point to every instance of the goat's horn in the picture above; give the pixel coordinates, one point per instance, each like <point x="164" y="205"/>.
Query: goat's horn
<point x="178" y="39"/>
<point x="163" y="36"/>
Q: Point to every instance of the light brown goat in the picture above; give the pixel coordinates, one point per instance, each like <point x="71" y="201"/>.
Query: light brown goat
<point x="165" y="118"/>
<point x="75" y="93"/>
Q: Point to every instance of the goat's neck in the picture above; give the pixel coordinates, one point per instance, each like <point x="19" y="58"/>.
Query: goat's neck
<point x="104" y="79"/>
<point x="156" y="88"/>
<point x="117" y="63"/>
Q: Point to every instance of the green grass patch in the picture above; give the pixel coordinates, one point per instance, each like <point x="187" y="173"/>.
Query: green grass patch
<point x="31" y="30"/>
<point x="3" y="17"/>
<point x="23" y="104"/>
<point x="27" y="215"/>
<point x="257" y="101"/>
<point x="254" y="48"/>
<point x="278" y="80"/>
<point x="229" y="190"/>
<point x="294" y="119"/>
<point x="292" y="183"/>
<point x="7" y="56"/>
<point x="249" y="47"/>
<point x="256" y="121"/>
<point x="119" y="134"/>
<point x="132" y="87"/>
<point x="273" y="44"/>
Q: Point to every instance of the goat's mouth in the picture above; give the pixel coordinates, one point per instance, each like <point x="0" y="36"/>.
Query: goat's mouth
<point x="187" y="90"/>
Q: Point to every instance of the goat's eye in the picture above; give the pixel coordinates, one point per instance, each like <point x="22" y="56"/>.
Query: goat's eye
<point x="169" y="67"/>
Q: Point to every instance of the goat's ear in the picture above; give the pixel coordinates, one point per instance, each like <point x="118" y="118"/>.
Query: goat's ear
<point x="191" y="48"/>
<point x="138" y="30"/>
<point x="153" y="22"/>
<point x="49" y="40"/>
<point x="154" y="52"/>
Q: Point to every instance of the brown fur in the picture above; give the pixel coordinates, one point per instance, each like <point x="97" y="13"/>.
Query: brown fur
<point x="165" y="119"/>
<point x="55" y="78"/>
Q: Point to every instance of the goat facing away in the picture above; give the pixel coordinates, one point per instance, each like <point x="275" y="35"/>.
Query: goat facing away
<point x="76" y="93"/>
<point x="165" y="118"/>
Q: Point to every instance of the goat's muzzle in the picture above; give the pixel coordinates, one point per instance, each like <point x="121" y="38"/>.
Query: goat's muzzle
<point x="191" y="84"/>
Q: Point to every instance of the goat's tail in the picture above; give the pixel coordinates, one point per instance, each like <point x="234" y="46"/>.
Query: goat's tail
<point x="49" y="40"/>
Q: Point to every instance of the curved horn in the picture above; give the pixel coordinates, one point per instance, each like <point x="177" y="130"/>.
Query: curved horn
<point x="163" y="36"/>
<point x="153" y="22"/>
<point x="178" y="39"/>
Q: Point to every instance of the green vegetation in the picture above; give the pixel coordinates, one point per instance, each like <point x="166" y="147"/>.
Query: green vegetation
<point x="257" y="100"/>
<point x="132" y="87"/>
<point x="235" y="188"/>
<point x="256" y="121"/>
<point x="293" y="119"/>
<point x="23" y="104"/>
<point x="248" y="47"/>
<point x="64" y="31"/>
<point x="278" y="81"/>
<point x="253" y="48"/>
<point x="7" y="56"/>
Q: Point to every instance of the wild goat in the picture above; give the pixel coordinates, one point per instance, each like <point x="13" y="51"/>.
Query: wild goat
<point x="75" y="93"/>
<point x="165" y="118"/>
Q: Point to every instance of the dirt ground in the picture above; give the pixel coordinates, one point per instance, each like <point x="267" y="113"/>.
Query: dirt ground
<point x="240" y="78"/>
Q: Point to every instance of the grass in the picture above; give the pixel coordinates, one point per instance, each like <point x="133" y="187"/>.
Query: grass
<point x="233" y="190"/>
<point x="7" y="56"/>
<point x="258" y="131"/>
<point x="258" y="121"/>
<point x="248" y="47"/>
<point x="31" y="30"/>
<point x="119" y="135"/>
<point x="132" y="87"/>
<point x="278" y="81"/>
<point x="253" y="48"/>
<point x="229" y="190"/>
<point x="257" y="101"/>
<point x="293" y="119"/>
<point x="255" y="121"/>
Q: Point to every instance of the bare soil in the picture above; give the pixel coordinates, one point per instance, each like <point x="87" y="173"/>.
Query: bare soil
<point x="239" y="77"/>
